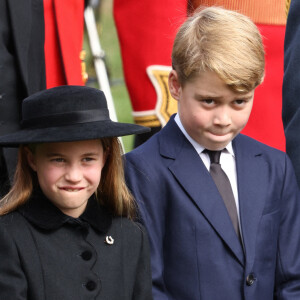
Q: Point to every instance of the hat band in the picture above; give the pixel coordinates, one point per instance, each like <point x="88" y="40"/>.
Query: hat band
<point x="63" y="119"/>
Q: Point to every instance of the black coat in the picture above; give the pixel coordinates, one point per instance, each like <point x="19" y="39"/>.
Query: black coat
<point x="22" y="59"/>
<point x="22" y="69"/>
<point x="48" y="255"/>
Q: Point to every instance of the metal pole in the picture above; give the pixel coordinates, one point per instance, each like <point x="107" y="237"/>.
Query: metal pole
<point x="98" y="56"/>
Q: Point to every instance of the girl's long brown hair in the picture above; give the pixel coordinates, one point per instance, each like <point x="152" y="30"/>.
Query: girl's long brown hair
<point x="112" y="191"/>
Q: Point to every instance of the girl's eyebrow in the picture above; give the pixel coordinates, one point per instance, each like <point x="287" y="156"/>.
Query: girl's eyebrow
<point x="53" y="154"/>
<point x="90" y="154"/>
<point x="60" y="154"/>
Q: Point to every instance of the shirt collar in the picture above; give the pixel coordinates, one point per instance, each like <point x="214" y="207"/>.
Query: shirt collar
<point x="44" y="214"/>
<point x="199" y="148"/>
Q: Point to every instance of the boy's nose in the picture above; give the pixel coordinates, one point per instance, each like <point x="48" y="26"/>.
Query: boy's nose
<point x="222" y="117"/>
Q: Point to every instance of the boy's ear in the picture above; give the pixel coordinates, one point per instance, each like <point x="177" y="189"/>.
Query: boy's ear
<point x="174" y="85"/>
<point x="30" y="158"/>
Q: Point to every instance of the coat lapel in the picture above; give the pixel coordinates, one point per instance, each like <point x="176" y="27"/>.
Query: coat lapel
<point x="252" y="187"/>
<point x="194" y="178"/>
<point x="20" y="15"/>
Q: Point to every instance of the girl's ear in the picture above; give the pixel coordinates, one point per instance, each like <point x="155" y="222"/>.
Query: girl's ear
<point x="30" y="158"/>
<point x="174" y="85"/>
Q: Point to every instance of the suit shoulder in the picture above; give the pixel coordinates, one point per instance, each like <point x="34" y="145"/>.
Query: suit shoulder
<point x="144" y="157"/>
<point x="255" y="145"/>
<point x="150" y="147"/>
<point x="275" y="158"/>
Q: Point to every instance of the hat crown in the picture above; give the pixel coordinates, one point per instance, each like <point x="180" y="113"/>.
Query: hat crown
<point x="65" y="114"/>
<point x="62" y="100"/>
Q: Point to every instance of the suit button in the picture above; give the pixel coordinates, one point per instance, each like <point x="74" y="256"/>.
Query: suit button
<point x="86" y="255"/>
<point x="91" y="285"/>
<point x="250" y="279"/>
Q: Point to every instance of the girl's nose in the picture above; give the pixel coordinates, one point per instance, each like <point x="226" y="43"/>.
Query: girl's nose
<point x="73" y="173"/>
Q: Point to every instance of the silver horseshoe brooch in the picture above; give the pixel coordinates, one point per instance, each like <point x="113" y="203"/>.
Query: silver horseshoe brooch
<point x="109" y="240"/>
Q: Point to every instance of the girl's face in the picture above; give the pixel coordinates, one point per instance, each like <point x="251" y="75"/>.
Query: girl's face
<point x="68" y="173"/>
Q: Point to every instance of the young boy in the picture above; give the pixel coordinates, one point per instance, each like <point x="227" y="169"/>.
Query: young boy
<point x="207" y="243"/>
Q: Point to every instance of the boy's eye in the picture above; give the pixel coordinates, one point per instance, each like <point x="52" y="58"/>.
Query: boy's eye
<point x="208" y="101"/>
<point x="239" y="102"/>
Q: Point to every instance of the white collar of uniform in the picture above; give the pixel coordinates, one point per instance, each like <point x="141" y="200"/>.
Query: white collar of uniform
<point x="196" y="145"/>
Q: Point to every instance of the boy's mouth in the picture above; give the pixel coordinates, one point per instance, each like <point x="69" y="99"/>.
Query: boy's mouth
<point x="220" y="133"/>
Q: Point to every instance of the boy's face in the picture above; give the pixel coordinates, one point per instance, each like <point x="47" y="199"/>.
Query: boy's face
<point x="68" y="173"/>
<point x="211" y="113"/>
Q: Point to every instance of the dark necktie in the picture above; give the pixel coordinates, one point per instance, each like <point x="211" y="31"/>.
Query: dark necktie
<point x="223" y="184"/>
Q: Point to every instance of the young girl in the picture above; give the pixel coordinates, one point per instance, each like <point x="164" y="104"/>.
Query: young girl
<point x="66" y="229"/>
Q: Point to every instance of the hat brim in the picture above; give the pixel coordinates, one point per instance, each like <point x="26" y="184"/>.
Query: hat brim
<point x="75" y="132"/>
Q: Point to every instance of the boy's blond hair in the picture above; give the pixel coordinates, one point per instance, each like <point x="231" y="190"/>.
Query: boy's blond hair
<point x="223" y="41"/>
<point x="112" y="191"/>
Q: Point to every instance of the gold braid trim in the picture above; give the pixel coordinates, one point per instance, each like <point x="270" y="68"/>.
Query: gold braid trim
<point x="287" y="6"/>
<point x="150" y="121"/>
<point x="271" y="12"/>
<point x="84" y="74"/>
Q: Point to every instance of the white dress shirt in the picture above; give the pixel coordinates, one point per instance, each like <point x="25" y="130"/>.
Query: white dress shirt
<point x="227" y="161"/>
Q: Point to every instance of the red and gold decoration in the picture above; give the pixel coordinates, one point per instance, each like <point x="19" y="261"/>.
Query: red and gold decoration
<point x="146" y="32"/>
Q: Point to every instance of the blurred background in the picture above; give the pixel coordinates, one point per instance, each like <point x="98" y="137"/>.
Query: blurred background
<point x="155" y="24"/>
<point x="109" y="43"/>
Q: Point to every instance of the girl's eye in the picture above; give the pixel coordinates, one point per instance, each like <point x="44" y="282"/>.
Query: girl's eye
<point x="58" y="160"/>
<point x="88" y="159"/>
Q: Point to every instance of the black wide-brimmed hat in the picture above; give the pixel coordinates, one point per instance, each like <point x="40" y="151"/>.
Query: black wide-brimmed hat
<point x="65" y="114"/>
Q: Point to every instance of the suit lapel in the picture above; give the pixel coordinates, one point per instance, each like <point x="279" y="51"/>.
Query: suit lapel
<point x="252" y="185"/>
<point x="194" y="178"/>
<point x="20" y="15"/>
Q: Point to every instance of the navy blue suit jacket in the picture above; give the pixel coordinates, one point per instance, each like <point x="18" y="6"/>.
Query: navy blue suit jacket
<point x="291" y="86"/>
<point x="195" y="251"/>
